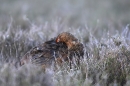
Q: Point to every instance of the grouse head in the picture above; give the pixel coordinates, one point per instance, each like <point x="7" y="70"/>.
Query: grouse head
<point x="68" y="39"/>
<point x="73" y="44"/>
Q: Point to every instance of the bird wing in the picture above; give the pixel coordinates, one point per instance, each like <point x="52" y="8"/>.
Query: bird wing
<point x="46" y="53"/>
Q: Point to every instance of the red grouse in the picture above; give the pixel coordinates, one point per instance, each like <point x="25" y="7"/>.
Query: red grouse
<point x="62" y="48"/>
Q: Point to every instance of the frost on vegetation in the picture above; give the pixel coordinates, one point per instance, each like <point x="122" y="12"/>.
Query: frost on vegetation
<point x="28" y="75"/>
<point x="106" y="60"/>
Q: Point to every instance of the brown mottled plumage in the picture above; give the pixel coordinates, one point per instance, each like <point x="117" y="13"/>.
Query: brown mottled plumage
<point x="73" y="44"/>
<point x="62" y="48"/>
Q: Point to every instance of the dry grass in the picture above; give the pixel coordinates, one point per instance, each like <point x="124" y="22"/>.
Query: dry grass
<point x="102" y="28"/>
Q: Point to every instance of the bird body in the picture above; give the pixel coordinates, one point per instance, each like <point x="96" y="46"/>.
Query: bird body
<point x="62" y="48"/>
